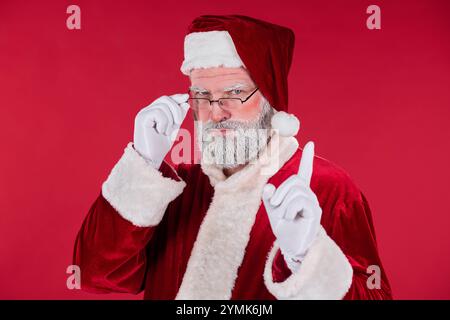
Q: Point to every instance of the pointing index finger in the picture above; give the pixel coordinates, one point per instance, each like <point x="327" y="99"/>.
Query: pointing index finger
<point x="306" y="163"/>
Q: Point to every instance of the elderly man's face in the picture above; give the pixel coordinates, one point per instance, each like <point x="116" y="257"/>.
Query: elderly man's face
<point x="229" y="136"/>
<point x="215" y="83"/>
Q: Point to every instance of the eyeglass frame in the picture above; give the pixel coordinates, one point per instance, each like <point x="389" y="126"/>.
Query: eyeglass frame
<point x="211" y="101"/>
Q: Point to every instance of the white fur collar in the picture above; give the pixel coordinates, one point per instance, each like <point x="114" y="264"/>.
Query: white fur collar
<point x="224" y="233"/>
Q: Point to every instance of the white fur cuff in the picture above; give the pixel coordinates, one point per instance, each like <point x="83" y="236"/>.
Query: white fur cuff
<point x="324" y="274"/>
<point x="138" y="191"/>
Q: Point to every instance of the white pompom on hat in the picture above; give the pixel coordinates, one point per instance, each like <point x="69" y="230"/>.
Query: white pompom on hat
<point x="286" y="124"/>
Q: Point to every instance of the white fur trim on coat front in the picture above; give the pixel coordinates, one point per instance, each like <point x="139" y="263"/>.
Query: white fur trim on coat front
<point x="324" y="274"/>
<point x="138" y="191"/>
<point x="209" y="49"/>
<point x="225" y="231"/>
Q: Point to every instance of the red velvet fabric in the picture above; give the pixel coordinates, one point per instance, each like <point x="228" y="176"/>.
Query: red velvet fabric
<point x="265" y="48"/>
<point x="116" y="256"/>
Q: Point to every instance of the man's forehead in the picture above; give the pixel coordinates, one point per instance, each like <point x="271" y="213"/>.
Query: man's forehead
<point x="223" y="77"/>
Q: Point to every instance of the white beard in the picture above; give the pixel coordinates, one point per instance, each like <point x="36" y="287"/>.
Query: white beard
<point x="244" y="146"/>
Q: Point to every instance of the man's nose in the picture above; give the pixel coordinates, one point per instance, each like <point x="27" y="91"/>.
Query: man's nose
<point x="217" y="113"/>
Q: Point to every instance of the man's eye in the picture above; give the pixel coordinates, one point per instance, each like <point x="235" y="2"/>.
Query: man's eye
<point x="236" y="91"/>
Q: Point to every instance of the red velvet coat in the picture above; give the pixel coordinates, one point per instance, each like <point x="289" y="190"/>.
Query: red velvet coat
<point x="191" y="233"/>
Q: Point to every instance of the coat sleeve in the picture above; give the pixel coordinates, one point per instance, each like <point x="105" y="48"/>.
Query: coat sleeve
<point x="341" y="262"/>
<point x="369" y="277"/>
<point x="111" y="246"/>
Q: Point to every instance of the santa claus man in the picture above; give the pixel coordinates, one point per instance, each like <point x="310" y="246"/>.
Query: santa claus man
<point x="258" y="218"/>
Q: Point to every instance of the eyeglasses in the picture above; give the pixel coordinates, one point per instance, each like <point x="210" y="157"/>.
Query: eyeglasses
<point x="225" y="103"/>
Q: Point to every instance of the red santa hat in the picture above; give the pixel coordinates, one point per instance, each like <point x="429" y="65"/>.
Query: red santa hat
<point x="263" y="48"/>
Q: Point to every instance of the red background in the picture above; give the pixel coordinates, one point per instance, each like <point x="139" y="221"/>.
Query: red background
<point x="376" y="102"/>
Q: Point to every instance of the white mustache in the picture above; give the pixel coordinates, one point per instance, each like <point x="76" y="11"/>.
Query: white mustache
<point x="232" y="124"/>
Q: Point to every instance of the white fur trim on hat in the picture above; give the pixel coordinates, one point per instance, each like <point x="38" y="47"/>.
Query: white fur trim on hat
<point x="138" y="192"/>
<point x="209" y="49"/>
<point x="287" y="124"/>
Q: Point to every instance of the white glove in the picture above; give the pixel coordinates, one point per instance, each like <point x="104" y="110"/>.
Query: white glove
<point x="156" y="127"/>
<point x="294" y="211"/>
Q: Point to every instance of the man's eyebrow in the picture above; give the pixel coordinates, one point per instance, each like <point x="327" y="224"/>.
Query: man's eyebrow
<point x="226" y="89"/>
<point x="198" y="89"/>
<point x="235" y="86"/>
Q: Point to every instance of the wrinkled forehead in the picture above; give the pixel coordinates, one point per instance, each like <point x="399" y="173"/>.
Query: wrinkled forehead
<point x="220" y="77"/>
